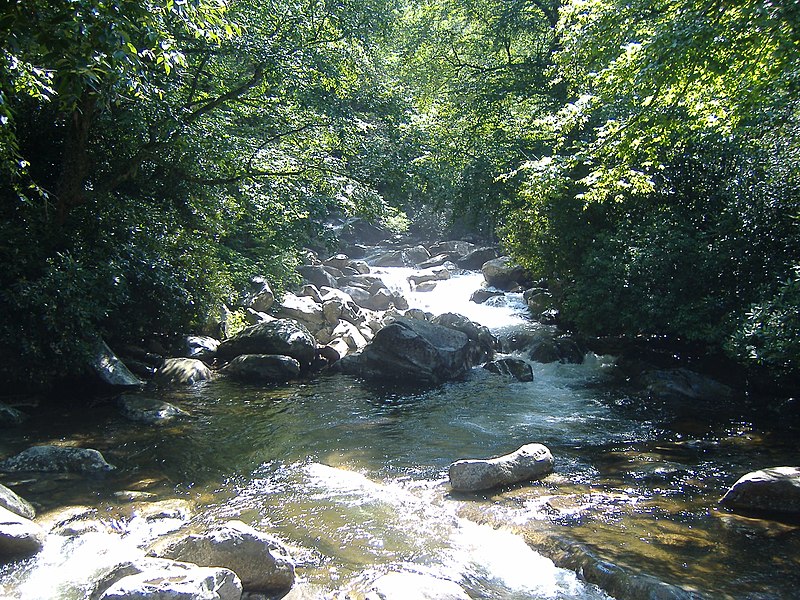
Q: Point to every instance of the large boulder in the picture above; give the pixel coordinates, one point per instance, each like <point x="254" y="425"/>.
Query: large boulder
<point x="515" y="368"/>
<point x="390" y="258"/>
<point x="413" y="351"/>
<point x="531" y="461"/>
<point x="261" y="297"/>
<point x="416" y="255"/>
<point x="201" y="347"/>
<point x="474" y="260"/>
<point x="775" y="490"/>
<point x="317" y="275"/>
<point x="504" y="273"/>
<point x="11" y="501"/>
<point x="482" y="342"/>
<point x="182" y="371"/>
<point x="57" y="459"/>
<point x="169" y="580"/>
<point x="263" y="368"/>
<point x="151" y="411"/>
<point x="303" y="309"/>
<point x="19" y="537"/>
<point x="682" y="385"/>
<point x="286" y="337"/>
<point x="262" y="563"/>
<point x="414" y="586"/>
<point x="110" y="370"/>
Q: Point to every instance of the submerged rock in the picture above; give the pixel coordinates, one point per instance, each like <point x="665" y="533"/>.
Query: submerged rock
<point x="19" y="537"/>
<point x="775" y="490"/>
<point x="267" y="368"/>
<point x="531" y="461"/>
<point x="57" y="459"/>
<point x="414" y="586"/>
<point x="511" y="367"/>
<point x="413" y="351"/>
<point x="169" y="580"/>
<point x="285" y="337"/>
<point x="260" y="560"/>
<point x="148" y="410"/>
<point x="182" y="371"/>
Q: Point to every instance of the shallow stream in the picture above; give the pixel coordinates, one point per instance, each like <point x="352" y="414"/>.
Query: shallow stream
<point x="352" y="475"/>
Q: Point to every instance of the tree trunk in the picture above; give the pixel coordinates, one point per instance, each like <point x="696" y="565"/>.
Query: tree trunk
<point x="75" y="158"/>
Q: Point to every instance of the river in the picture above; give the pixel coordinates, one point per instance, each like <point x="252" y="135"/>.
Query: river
<point x="352" y="475"/>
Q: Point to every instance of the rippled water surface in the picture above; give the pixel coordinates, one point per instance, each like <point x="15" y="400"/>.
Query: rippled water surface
<point x="353" y="476"/>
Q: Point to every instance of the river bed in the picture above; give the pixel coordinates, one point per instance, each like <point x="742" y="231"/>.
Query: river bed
<point x="353" y="476"/>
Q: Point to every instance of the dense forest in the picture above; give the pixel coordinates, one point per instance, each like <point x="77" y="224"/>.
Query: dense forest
<point x="641" y="156"/>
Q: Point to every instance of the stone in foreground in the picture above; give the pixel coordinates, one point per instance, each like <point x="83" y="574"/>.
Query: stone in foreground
<point x="531" y="461"/>
<point x="19" y="537"/>
<point x="17" y="505"/>
<point x="414" y="586"/>
<point x="177" y="581"/>
<point x="260" y="560"/>
<point x="182" y="371"/>
<point x="775" y="490"/>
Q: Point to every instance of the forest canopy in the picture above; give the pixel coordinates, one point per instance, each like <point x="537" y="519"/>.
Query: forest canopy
<point x="642" y="157"/>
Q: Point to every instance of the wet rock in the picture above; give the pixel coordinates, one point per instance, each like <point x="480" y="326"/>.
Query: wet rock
<point x="414" y="586"/>
<point x="311" y="291"/>
<point x="482" y="342"/>
<point x="538" y="301"/>
<point x="10" y="417"/>
<point x="563" y="349"/>
<point x="268" y="368"/>
<point x="380" y="300"/>
<point x="511" y="367"/>
<point x="531" y="461"/>
<point x="503" y="273"/>
<point x="169" y="580"/>
<point x="260" y="560"/>
<point x="14" y="503"/>
<point x="482" y="295"/>
<point x="110" y="370"/>
<point x="428" y="286"/>
<point x="285" y="337"/>
<point x="261" y="298"/>
<point x="413" y="351"/>
<point x="317" y="275"/>
<point x="338" y="261"/>
<point x="201" y="347"/>
<point x="182" y="371"/>
<point x="428" y="275"/>
<point x="302" y="309"/>
<point x="436" y="261"/>
<point x="392" y="258"/>
<point x="359" y="266"/>
<point x="474" y="260"/>
<point x="677" y="385"/>
<point x="19" y="537"/>
<point x="352" y="336"/>
<point x="57" y="459"/>
<point x="775" y="490"/>
<point x="148" y="410"/>
<point x="453" y="247"/>
<point x="416" y="255"/>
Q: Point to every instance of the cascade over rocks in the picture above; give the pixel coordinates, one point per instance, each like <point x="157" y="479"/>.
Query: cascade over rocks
<point x="531" y="461"/>
<point x="414" y="351"/>
<point x="57" y="459"/>
<point x="282" y="336"/>
<point x="511" y="367"/>
<point x="260" y="561"/>
<point x="775" y="490"/>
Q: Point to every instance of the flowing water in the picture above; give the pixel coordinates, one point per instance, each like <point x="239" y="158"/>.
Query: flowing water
<point x="352" y="475"/>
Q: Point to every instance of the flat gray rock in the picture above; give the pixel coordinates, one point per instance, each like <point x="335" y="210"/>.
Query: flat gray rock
<point x="529" y="462"/>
